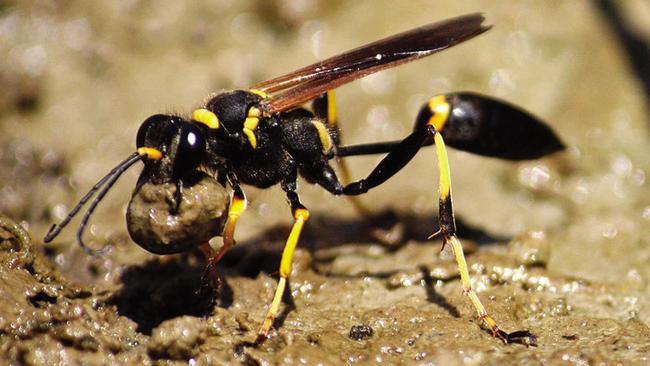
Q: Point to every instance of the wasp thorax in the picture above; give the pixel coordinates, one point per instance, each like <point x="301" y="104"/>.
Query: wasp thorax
<point x="232" y="107"/>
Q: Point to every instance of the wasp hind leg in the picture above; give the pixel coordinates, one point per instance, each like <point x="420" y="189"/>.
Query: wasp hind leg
<point x="511" y="143"/>
<point x="448" y="232"/>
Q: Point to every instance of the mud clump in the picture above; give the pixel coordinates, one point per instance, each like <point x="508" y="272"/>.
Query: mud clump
<point x="156" y="223"/>
<point x="178" y="339"/>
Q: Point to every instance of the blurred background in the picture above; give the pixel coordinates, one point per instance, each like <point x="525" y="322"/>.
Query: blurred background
<point x="77" y="78"/>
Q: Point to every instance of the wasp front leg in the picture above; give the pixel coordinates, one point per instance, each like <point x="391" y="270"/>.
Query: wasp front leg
<point x="238" y="204"/>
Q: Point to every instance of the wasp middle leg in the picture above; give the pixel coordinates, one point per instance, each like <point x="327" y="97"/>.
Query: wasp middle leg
<point x="300" y="215"/>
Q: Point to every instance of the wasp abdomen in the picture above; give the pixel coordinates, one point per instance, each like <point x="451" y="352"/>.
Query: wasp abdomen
<point x="490" y="127"/>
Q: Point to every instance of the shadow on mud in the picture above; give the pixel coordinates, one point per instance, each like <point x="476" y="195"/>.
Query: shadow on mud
<point x="169" y="287"/>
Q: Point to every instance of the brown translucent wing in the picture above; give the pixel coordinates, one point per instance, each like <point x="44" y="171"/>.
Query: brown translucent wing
<point x="309" y="82"/>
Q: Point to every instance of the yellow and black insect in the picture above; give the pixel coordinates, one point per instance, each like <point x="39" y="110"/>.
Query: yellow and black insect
<point x="263" y="136"/>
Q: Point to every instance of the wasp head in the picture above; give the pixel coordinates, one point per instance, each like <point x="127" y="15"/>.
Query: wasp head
<point x="173" y="147"/>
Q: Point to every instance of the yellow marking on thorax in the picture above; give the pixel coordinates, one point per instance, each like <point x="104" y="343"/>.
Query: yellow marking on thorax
<point x="323" y="135"/>
<point x="250" y="125"/>
<point x="259" y="92"/>
<point x="440" y="108"/>
<point x="206" y="117"/>
<point x="153" y="154"/>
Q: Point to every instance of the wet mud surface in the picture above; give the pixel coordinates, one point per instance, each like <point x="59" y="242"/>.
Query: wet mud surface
<point x="559" y="246"/>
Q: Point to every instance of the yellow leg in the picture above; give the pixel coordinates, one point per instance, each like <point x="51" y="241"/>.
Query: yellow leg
<point x="448" y="232"/>
<point x="301" y="215"/>
<point x="237" y="207"/>
<point x="481" y="313"/>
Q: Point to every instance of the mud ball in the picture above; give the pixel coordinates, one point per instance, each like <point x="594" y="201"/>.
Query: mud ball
<point x="159" y="225"/>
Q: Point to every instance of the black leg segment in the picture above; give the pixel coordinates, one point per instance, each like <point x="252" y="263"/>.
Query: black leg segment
<point x="467" y="121"/>
<point x="391" y="164"/>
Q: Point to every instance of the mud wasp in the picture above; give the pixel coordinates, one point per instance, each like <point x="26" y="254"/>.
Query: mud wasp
<point x="263" y="136"/>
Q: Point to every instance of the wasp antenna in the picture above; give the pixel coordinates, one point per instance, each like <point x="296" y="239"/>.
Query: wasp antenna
<point x="56" y="228"/>
<point x="117" y="172"/>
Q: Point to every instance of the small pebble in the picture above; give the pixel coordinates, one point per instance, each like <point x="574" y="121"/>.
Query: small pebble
<point x="360" y="332"/>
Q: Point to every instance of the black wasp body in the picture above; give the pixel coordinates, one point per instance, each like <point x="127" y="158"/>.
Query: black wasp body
<point x="302" y="141"/>
<point x="265" y="136"/>
<point x="273" y="150"/>
<point x="290" y="141"/>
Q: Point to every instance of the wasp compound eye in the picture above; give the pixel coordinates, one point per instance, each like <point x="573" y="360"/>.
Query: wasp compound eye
<point x="191" y="146"/>
<point x="154" y="122"/>
<point x="191" y="141"/>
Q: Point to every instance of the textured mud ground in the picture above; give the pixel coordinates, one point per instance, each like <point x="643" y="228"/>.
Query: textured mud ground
<point x="560" y="246"/>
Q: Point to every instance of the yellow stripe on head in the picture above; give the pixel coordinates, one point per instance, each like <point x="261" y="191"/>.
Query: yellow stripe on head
<point x="206" y="117"/>
<point x="153" y="154"/>
<point x="440" y="108"/>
